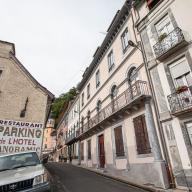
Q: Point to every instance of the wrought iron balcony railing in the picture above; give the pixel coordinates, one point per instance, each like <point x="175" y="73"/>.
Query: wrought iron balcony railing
<point x="70" y="137"/>
<point x="127" y="97"/>
<point x="171" y="40"/>
<point x="180" y="102"/>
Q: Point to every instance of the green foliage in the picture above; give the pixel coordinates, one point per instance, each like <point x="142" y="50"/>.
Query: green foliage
<point x="63" y="99"/>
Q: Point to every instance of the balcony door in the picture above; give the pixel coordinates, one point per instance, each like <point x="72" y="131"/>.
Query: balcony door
<point x="101" y="151"/>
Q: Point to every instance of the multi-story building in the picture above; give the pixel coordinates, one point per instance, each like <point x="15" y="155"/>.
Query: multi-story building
<point x="49" y="140"/>
<point x="25" y="105"/>
<point x="119" y="130"/>
<point x="166" y="33"/>
<point x="73" y="126"/>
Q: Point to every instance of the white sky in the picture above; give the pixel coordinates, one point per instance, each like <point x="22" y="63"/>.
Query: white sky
<point x="56" y="39"/>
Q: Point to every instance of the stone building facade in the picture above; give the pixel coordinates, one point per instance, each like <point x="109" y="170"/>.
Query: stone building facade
<point x="166" y="35"/>
<point x="118" y="130"/>
<point x="22" y="98"/>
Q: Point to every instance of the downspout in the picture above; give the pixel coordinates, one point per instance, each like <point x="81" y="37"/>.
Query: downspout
<point x="160" y="128"/>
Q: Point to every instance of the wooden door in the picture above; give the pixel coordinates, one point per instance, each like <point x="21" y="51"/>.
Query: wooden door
<point x="101" y="151"/>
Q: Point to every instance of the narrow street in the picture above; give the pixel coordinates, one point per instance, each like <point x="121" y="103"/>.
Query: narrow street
<point x="68" y="178"/>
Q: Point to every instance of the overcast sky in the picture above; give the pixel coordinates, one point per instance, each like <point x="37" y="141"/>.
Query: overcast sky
<point x="56" y="39"/>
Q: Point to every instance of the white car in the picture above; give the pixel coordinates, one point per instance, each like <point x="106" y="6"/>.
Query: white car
<point x="23" y="172"/>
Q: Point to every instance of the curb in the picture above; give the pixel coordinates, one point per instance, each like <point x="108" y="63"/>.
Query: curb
<point x="122" y="180"/>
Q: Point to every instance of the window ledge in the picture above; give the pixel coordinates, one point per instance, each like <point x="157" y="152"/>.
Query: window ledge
<point x="144" y="155"/>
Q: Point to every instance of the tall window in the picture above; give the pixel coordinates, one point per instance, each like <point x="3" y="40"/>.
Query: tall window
<point x="181" y="73"/>
<point x="132" y="76"/>
<point x="1" y="72"/>
<point x="82" y="151"/>
<point x="124" y="40"/>
<point x="113" y="91"/>
<point x="111" y="63"/>
<point x="97" y="78"/>
<point x="88" y="91"/>
<point x="119" y="142"/>
<point x="142" y="140"/>
<point x="82" y="99"/>
<point x="89" y="149"/>
<point x="189" y="130"/>
<point x="98" y="105"/>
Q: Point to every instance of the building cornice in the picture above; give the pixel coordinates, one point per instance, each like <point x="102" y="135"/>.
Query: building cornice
<point x="113" y="29"/>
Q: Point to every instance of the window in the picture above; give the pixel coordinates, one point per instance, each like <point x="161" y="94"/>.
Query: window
<point x="132" y="76"/>
<point x="82" y="99"/>
<point x="124" y="40"/>
<point x="113" y="91"/>
<point x="164" y="26"/>
<point x="82" y="151"/>
<point x="89" y="149"/>
<point x="88" y="91"/>
<point x="189" y="130"/>
<point x="142" y="140"/>
<point x="152" y="3"/>
<point x="1" y="72"/>
<point x="45" y="146"/>
<point x="98" y="105"/>
<point x="97" y="78"/>
<point x="181" y="74"/>
<point x="119" y="142"/>
<point x="111" y="63"/>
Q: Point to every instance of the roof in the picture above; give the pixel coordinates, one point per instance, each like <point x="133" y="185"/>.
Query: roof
<point x="112" y="30"/>
<point x="12" y="56"/>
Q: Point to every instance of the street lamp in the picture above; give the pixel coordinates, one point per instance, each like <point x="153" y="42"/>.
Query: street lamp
<point x="132" y="44"/>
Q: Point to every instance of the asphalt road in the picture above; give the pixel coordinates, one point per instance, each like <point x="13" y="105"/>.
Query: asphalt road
<point x="69" y="178"/>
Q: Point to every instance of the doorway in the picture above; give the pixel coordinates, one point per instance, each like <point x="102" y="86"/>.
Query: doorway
<point x="101" y="151"/>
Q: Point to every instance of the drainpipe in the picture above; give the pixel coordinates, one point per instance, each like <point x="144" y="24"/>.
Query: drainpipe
<point x="160" y="128"/>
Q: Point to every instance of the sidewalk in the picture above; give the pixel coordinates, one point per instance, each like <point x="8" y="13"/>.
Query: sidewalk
<point x="123" y="180"/>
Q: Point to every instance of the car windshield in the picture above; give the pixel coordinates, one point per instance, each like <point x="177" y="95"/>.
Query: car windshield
<point x="18" y="160"/>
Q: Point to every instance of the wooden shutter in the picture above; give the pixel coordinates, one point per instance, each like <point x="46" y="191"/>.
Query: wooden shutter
<point x="82" y="151"/>
<point x="119" y="141"/>
<point x="89" y="149"/>
<point x="142" y="140"/>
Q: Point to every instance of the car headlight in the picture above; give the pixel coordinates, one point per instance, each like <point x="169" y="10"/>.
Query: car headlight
<point x="40" y="179"/>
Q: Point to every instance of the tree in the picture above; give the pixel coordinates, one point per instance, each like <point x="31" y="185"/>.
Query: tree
<point x="62" y="100"/>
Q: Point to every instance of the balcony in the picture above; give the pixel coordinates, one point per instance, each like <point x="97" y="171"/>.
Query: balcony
<point x="169" y="44"/>
<point x="125" y="103"/>
<point x="70" y="138"/>
<point x="180" y="103"/>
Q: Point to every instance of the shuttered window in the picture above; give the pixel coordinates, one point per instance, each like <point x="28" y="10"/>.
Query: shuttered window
<point x="82" y="151"/>
<point x="119" y="142"/>
<point x="89" y="149"/>
<point x="142" y="140"/>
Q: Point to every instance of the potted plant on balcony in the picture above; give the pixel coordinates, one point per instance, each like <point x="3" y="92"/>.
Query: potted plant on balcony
<point x="181" y="89"/>
<point x="162" y="36"/>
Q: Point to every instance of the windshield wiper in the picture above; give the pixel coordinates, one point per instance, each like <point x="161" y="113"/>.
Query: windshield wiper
<point x="16" y="167"/>
<point x="1" y="170"/>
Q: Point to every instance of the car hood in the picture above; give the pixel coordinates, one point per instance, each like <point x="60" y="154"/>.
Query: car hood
<point x="20" y="174"/>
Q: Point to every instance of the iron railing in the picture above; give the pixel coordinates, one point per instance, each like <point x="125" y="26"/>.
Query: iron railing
<point x="179" y="102"/>
<point x="170" y="41"/>
<point x="136" y="90"/>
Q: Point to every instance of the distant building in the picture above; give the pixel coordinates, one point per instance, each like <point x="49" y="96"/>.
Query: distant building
<point x="25" y="105"/>
<point x="49" y="139"/>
